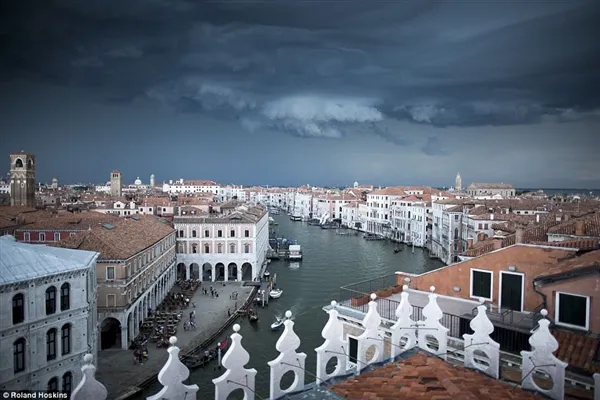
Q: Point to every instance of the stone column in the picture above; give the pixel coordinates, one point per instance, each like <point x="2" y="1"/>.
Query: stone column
<point x="226" y="277"/>
<point x="213" y="273"/>
<point x="239" y="273"/>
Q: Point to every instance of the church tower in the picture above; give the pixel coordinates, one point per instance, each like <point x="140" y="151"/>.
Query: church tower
<point x="22" y="179"/>
<point x="116" y="183"/>
<point x="458" y="183"/>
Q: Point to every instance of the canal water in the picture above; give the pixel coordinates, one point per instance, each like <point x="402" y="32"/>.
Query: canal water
<point x="330" y="261"/>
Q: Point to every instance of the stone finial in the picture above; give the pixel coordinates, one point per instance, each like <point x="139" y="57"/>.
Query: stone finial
<point x="431" y="328"/>
<point x="89" y="388"/>
<point x="334" y="347"/>
<point x="481" y="341"/>
<point x="172" y="375"/>
<point x="597" y="386"/>
<point x="236" y="376"/>
<point x="405" y="326"/>
<point x="370" y="337"/>
<point x="541" y="359"/>
<point x="288" y="360"/>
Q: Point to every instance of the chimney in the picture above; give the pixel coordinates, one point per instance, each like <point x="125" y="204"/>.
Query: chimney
<point x="519" y="234"/>
<point x="579" y="228"/>
<point x="469" y="243"/>
<point x="491" y="217"/>
<point x="497" y="243"/>
<point x="537" y="218"/>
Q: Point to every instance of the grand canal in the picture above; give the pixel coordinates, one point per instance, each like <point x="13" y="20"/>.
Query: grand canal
<point x="330" y="261"/>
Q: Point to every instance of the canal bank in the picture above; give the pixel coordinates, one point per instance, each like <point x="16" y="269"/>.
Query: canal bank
<point x="330" y="261"/>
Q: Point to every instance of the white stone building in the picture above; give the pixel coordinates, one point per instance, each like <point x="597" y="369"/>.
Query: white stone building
<point x="47" y="315"/>
<point x="350" y="216"/>
<point x="4" y="186"/>
<point x="303" y="205"/>
<point x="191" y="186"/>
<point x="222" y="247"/>
<point x="491" y="190"/>
<point x="231" y="192"/>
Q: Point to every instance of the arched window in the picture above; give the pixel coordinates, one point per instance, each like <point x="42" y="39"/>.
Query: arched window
<point x="67" y="382"/>
<point x="51" y="344"/>
<point x="65" y="297"/>
<point x="206" y="249"/>
<point x="19" y="355"/>
<point x="232" y="248"/>
<point x="455" y="233"/>
<point x="50" y="300"/>
<point x="53" y="385"/>
<point x="220" y="248"/>
<point x="19" y="163"/>
<point x="194" y="248"/>
<point x="194" y="233"/>
<point x="18" y="308"/>
<point x="246" y="248"/>
<point x="65" y="339"/>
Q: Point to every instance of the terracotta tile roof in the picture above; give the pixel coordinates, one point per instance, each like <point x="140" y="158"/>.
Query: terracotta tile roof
<point x="591" y="226"/>
<point x="475" y="185"/>
<point x="389" y="191"/>
<point x="586" y="260"/>
<point x="583" y="244"/>
<point x="577" y="349"/>
<point x="423" y="376"/>
<point x="457" y="208"/>
<point x="122" y="239"/>
<point x="503" y="227"/>
<point x="68" y="221"/>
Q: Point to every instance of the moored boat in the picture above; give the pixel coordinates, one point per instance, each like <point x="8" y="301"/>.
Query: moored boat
<point x="277" y="324"/>
<point x="275" y="293"/>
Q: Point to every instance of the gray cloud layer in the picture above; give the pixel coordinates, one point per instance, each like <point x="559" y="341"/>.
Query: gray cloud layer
<point x="317" y="69"/>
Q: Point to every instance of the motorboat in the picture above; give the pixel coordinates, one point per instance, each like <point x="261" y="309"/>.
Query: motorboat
<point x="267" y="274"/>
<point x="294" y="265"/>
<point x="252" y="316"/>
<point x="397" y="250"/>
<point x="277" y="324"/>
<point x="275" y="293"/>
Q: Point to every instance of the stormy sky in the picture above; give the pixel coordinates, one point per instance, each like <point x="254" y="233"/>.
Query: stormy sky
<point x="295" y="92"/>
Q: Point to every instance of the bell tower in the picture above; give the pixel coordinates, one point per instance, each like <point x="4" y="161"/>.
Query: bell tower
<point x="22" y="179"/>
<point x="458" y="183"/>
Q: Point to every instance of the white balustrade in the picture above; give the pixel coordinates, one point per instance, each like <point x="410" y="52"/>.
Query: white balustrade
<point x="236" y="376"/>
<point x="370" y="342"/>
<point x="480" y="341"/>
<point x="89" y="388"/>
<point x="597" y="386"/>
<point x="288" y="360"/>
<point x="404" y="332"/>
<point x="431" y="328"/>
<point x="172" y="375"/>
<point x="542" y="360"/>
<point x="334" y="347"/>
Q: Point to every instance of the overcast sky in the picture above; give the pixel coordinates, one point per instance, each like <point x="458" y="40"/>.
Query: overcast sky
<point x="295" y="92"/>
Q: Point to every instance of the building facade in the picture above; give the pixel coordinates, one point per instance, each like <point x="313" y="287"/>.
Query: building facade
<point x="133" y="277"/>
<point x="48" y="320"/>
<point x="22" y="179"/>
<point x="489" y="190"/>
<point x="222" y="247"/>
<point x="116" y="183"/>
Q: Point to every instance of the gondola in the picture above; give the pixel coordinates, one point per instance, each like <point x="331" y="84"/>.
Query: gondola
<point x="252" y="316"/>
<point x="397" y="250"/>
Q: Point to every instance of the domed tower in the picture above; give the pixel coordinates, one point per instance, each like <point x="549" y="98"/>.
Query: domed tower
<point x="458" y="183"/>
<point x="22" y="179"/>
<point x="138" y="181"/>
<point x="54" y="183"/>
<point x="152" y="181"/>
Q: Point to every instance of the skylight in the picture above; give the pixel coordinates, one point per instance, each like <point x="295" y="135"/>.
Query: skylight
<point x="136" y="217"/>
<point x="108" y="226"/>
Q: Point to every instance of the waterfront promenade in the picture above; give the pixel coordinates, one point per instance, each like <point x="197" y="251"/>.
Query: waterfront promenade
<point x="122" y="377"/>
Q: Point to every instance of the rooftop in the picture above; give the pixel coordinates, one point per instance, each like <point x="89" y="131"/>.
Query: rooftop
<point x="22" y="261"/>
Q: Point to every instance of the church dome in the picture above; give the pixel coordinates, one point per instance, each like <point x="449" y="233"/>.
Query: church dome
<point x="138" y="181"/>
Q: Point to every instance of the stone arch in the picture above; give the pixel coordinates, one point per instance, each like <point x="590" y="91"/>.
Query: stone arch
<point x="181" y="274"/>
<point x="110" y="333"/>
<point x="18" y="163"/>
<point x="220" y="272"/>
<point x="232" y="271"/>
<point x="247" y="274"/>
<point x="207" y="272"/>
<point x="194" y="271"/>
<point x="29" y="163"/>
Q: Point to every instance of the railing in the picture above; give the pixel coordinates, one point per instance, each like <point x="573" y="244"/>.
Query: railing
<point x="511" y="341"/>
<point x="371" y="285"/>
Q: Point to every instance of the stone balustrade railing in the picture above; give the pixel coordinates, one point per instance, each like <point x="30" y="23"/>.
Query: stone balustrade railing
<point x="406" y="334"/>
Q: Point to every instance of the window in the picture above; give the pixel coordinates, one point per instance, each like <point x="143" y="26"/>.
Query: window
<point x="51" y="344"/>
<point x="246" y="248"/>
<point x="232" y="248"/>
<point x="110" y="273"/>
<point x="206" y="233"/>
<point x="194" y="248"/>
<point x="50" y="300"/>
<point x="232" y="233"/>
<point x="18" y="308"/>
<point x="219" y="248"/>
<point x="27" y="236"/>
<point x="194" y="233"/>
<point x="353" y="349"/>
<point x="180" y="233"/>
<point x="42" y="237"/>
<point x="456" y="217"/>
<point x="67" y="382"/>
<point x="247" y="233"/>
<point x="65" y="297"/>
<point x="219" y="233"/>
<point x="53" y="385"/>
<point x="65" y="339"/>
<point x="111" y="300"/>
<point x="19" y="355"/>
<point x="206" y="249"/>
<point x="56" y="236"/>
<point x="572" y="310"/>
<point x="481" y="284"/>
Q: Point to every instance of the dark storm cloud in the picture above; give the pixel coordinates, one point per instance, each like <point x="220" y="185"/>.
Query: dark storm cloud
<point x="317" y="69"/>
